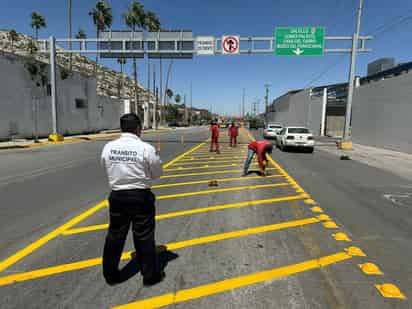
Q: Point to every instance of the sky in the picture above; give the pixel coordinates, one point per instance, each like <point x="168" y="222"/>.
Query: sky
<point x="217" y="81"/>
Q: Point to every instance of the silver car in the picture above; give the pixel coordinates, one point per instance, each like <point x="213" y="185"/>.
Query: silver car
<point x="272" y="130"/>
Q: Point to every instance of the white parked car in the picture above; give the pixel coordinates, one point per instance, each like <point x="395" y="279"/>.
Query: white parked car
<point x="297" y="137"/>
<point x="272" y="130"/>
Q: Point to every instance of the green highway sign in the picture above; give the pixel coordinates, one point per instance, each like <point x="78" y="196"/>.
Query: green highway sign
<point x="299" y="41"/>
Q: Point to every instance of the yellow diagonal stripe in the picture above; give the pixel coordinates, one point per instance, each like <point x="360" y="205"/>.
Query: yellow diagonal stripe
<point x="206" y="173"/>
<point x="194" y="211"/>
<point x="235" y="283"/>
<point x="44" y="272"/>
<point x="201" y="167"/>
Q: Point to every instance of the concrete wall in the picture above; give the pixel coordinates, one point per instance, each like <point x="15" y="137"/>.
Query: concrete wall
<point x="382" y="114"/>
<point x="298" y="109"/>
<point x="26" y="107"/>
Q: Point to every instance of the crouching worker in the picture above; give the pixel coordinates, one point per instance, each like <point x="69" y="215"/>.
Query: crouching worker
<point x="260" y="148"/>
<point x="131" y="166"/>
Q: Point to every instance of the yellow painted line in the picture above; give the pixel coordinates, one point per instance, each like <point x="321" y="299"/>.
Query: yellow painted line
<point x="183" y="155"/>
<point x="203" y="167"/>
<point x="205" y="192"/>
<point x="197" y="182"/>
<point x="198" y="158"/>
<point x="43" y="240"/>
<point x="205" y="173"/>
<point x="44" y="272"/>
<point x="195" y="211"/>
<point x="235" y="283"/>
<point x="207" y="162"/>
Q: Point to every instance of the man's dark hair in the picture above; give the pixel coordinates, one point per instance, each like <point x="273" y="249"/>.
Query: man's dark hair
<point x="269" y="148"/>
<point x="130" y="123"/>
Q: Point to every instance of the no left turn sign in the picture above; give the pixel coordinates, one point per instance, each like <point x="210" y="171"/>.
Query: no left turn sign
<point x="230" y="45"/>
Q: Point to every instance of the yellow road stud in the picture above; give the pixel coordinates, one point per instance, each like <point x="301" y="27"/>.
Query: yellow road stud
<point x="316" y="209"/>
<point x="341" y="237"/>
<point x="330" y="225"/>
<point x="310" y="202"/>
<point x="355" y="251"/>
<point x="390" y="291"/>
<point x="324" y="217"/>
<point x="370" y="269"/>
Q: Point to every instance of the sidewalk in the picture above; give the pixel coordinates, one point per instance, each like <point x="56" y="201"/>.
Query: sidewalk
<point x="23" y="143"/>
<point x="398" y="163"/>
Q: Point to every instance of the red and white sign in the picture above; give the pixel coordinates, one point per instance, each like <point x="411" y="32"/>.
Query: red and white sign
<point x="230" y="45"/>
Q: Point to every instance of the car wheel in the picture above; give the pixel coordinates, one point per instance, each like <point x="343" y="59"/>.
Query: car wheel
<point x="311" y="150"/>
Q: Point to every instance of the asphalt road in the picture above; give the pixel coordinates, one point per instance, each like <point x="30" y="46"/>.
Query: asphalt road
<point x="247" y="243"/>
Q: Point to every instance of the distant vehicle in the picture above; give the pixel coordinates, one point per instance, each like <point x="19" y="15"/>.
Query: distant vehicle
<point x="272" y="129"/>
<point x="296" y="137"/>
<point x="256" y="123"/>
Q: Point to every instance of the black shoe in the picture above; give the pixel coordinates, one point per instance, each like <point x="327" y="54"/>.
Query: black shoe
<point x="155" y="280"/>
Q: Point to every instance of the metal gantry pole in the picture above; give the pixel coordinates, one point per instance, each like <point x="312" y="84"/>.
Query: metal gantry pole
<point x="352" y="71"/>
<point x="52" y="48"/>
<point x="324" y="106"/>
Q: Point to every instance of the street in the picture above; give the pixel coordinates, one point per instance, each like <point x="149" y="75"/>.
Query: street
<point x="294" y="239"/>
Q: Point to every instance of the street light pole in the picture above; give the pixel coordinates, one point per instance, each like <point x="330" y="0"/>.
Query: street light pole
<point x="52" y="47"/>
<point x="347" y="138"/>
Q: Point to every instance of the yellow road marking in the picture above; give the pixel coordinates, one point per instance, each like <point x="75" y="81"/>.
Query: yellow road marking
<point x="196" y="182"/>
<point x="207" y="162"/>
<point x="44" y="272"/>
<point x="194" y="158"/>
<point x="195" y="211"/>
<point x="206" y="173"/>
<point x="43" y="240"/>
<point x="254" y="187"/>
<point x="183" y="155"/>
<point x="202" y="167"/>
<point x="235" y="283"/>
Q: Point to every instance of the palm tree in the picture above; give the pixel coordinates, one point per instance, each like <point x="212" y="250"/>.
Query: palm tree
<point x="122" y="62"/>
<point x="13" y="37"/>
<point x="37" y="22"/>
<point x="178" y="98"/>
<point x="134" y="18"/>
<point x="102" y="18"/>
<point x="152" y="22"/>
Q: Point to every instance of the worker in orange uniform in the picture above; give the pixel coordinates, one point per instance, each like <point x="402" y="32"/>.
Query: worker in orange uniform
<point x="233" y="133"/>
<point x="260" y="148"/>
<point x="214" y="143"/>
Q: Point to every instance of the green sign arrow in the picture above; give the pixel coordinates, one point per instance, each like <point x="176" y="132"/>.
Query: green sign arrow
<point x="299" y="41"/>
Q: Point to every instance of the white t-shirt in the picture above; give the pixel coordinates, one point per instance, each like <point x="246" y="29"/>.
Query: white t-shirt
<point x="130" y="163"/>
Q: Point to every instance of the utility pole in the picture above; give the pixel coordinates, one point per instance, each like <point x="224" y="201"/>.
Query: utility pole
<point x="347" y="136"/>
<point x="155" y="92"/>
<point x="243" y="103"/>
<point x="52" y="44"/>
<point x="267" y="86"/>
<point x="191" y="103"/>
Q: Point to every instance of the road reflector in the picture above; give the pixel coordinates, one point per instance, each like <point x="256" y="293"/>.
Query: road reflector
<point x="310" y="202"/>
<point x="370" y="269"/>
<point x="355" y="251"/>
<point x="341" y="237"/>
<point x="213" y="183"/>
<point x="316" y="209"/>
<point x="330" y="225"/>
<point x="390" y="291"/>
<point x="324" y="217"/>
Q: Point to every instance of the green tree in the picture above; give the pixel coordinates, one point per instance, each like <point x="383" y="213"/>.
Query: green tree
<point x="102" y="16"/>
<point x="152" y="22"/>
<point x="37" y="22"/>
<point x="13" y="37"/>
<point x="81" y="34"/>
<point x="169" y="93"/>
<point x="178" y="98"/>
<point x="135" y="18"/>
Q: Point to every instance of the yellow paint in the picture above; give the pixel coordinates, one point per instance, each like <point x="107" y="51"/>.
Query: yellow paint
<point x="205" y="173"/>
<point x="370" y="269"/>
<point x="341" y="237"/>
<point x="201" y="167"/>
<point x="183" y="155"/>
<point x="192" y="162"/>
<point x="205" y="192"/>
<point x="194" y="211"/>
<point x="44" y="272"/>
<point x="330" y="225"/>
<point x="310" y="202"/>
<point x="235" y="283"/>
<point x="317" y="209"/>
<point x="324" y="217"/>
<point x="43" y="240"/>
<point x="345" y="145"/>
<point x="200" y="158"/>
<point x="355" y="251"/>
<point x="56" y="138"/>
<point x="389" y="290"/>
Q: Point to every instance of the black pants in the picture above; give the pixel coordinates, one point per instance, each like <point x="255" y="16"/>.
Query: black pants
<point x="136" y="207"/>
